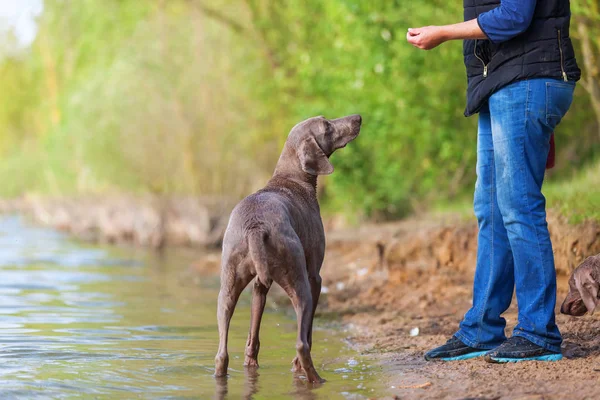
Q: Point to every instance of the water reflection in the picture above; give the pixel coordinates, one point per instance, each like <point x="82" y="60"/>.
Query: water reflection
<point x="301" y="389"/>
<point x="84" y="321"/>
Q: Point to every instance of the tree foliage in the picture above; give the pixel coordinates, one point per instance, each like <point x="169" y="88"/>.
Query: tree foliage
<point x="191" y="96"/>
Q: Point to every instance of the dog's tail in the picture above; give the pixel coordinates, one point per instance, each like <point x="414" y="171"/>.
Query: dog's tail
<point x="257" y="241"/>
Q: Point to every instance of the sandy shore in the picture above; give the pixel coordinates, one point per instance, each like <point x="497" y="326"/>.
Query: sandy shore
<point x="404" y="288"/>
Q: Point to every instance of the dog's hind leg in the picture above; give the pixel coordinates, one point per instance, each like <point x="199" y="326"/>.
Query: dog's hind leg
<point x="292" y="276"/>
<point x="259" y="299"/>
<point x="232" y="286"/>
<point x="303" y="306"/>
<point x="298" y="289"/>
<point x="315" y="288"/>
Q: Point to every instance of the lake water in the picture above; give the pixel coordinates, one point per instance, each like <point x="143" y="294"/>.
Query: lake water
<point x="81" y="321"/>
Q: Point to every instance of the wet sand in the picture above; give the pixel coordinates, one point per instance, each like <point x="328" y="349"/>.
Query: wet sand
<point x="405" y="287"/>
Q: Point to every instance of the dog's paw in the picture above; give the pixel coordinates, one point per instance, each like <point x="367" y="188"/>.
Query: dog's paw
<point x="314" y="378"/>
<point x="251" y="362"/>
<point x="221" y="365"/>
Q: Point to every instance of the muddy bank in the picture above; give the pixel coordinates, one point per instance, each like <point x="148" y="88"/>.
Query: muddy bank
<point x="395" y="248"/>
<point x="149" y="221"/>
<point x="404" y="288"/>
<point x="424" y="267"/>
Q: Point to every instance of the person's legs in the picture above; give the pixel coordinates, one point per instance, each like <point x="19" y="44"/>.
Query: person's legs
<point x="523" y="116"/>
<point x="483" y="327"/>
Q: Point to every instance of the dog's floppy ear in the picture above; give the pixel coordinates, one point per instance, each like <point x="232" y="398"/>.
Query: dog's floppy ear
<point x="588" y="289"/>
<point x="312" y="159"/>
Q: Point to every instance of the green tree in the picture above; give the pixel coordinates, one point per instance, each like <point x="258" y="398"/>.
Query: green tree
<point x="587" y="23"/>
<point x="197" y="97"/>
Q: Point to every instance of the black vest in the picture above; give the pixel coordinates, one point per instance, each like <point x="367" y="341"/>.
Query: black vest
<point x="544" y="50"/>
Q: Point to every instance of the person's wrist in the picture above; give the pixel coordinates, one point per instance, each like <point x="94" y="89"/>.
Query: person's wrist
<point x="443" y="33"/>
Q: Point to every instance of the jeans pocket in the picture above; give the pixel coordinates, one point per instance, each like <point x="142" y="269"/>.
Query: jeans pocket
<point x="559" y="96"/>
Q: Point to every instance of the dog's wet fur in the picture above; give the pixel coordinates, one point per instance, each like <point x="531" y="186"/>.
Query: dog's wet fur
<point x="276" y="235"/>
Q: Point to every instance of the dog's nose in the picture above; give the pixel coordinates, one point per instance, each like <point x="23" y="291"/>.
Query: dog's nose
<point x="356" y="118"/>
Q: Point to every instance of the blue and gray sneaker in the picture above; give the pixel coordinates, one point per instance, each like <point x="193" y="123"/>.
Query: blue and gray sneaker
<point x="517" y="349"/>
<point x="454" y="350"/>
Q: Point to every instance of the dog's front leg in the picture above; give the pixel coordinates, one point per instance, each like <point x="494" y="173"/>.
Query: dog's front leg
<point x="315" y="287"/>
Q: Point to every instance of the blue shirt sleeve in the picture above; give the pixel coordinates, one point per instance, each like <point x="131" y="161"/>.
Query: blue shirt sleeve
<point x="509" y="19"/>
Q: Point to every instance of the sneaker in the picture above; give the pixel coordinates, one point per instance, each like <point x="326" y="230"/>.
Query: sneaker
<point x="518" y="349"/>
<point x="454" y="350"/>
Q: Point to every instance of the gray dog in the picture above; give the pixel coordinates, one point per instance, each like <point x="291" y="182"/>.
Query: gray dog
<point x="276" y="235"/>
<point x="584" y="286"/>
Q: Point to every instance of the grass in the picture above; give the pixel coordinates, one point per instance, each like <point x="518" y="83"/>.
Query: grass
<point x="577" y="198"/>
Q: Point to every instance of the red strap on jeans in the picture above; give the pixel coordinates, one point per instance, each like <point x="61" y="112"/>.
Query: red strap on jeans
<point x="551" y="153"/>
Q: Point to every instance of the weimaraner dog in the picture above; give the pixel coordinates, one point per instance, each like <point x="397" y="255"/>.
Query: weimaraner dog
<point x="276" y="235"/>
<point x="584" y="287"/>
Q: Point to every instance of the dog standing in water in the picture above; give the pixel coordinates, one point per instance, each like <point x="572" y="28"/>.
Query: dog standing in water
<point x="276" y="235"/>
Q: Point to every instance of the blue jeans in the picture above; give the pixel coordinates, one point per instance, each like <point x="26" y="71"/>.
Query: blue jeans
<point x="514" y="248"/>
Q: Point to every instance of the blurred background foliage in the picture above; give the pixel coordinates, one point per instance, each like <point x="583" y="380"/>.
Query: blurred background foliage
<point x="197" y="97"/>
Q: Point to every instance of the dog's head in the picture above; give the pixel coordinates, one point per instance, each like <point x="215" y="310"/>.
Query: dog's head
<point x="315" y="139"/>
<point x="584" y="286"/>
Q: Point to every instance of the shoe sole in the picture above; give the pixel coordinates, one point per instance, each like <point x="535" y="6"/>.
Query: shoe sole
<point x="467" y="356"/>
<point x="503" y="360"/>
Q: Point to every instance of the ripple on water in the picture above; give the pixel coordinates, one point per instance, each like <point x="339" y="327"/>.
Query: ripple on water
<point x="86" y="321"/>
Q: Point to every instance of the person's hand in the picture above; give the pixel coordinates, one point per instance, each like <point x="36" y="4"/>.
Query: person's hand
<point x="425" y="38"/>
